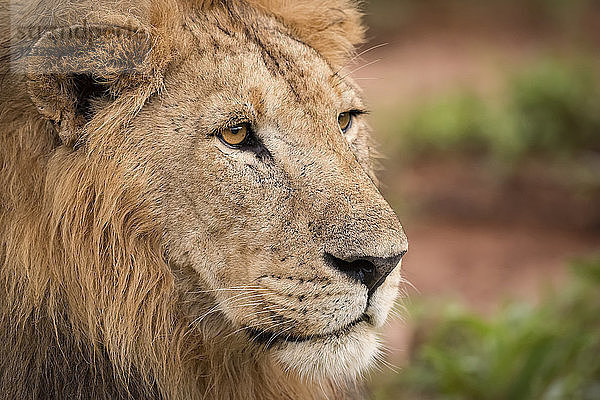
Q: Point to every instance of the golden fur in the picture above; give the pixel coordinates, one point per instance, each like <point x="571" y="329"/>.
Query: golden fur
<point x="136" y="250"/>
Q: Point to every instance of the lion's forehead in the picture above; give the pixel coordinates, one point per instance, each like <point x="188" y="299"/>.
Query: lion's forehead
<point x="261" y="58"/>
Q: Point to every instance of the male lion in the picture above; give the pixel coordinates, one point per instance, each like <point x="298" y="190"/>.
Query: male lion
<point x="188" y="207"/>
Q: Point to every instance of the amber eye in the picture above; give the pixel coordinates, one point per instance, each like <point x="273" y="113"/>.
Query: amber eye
<point x="345" y="121"/>
<point x="235" y="135"/>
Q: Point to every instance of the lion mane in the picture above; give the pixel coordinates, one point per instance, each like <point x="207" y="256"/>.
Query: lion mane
<point x="88" y="306"/>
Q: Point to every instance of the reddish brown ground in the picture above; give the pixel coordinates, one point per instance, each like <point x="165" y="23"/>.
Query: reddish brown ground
<point x="461" y="250"/>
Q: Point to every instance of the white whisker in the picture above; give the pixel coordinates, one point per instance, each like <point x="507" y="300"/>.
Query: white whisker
<point x="361" y="67"/>
<point x="362" y="53"/>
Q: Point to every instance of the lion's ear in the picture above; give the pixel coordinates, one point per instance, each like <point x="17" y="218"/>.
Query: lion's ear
<point x="71" y="71"/>
<point x="332" y="27"/>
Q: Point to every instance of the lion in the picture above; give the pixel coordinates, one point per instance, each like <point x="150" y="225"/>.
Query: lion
<point x="189" y="207"/>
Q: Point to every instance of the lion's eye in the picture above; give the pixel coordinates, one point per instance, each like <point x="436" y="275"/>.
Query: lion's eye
<point x="235" y="136"/>
<point x="345" y="121"/>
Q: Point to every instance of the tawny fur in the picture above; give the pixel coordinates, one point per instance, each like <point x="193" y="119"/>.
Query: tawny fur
<point x="95" y="301"/>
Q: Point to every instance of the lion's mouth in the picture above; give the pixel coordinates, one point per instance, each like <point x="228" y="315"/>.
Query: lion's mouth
<point x="270" y="339"/>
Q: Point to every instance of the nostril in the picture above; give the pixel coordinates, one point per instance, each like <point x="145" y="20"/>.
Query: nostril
<point x="360" y="270"/>
<point x="370" y="271"/>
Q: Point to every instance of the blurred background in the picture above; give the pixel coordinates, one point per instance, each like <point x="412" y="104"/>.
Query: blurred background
<point x="487" y="114"/>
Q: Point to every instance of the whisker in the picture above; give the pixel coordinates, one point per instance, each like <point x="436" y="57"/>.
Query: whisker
<point x="362" y="53"/>
<point x="279" y="334"/>
<point x="273" y="309"/>
<point x="260" y="322"/>
<point x="216" y="308"/>
<point x="391" y="366"/>
<point x="234" y="288"/>
<point x="404" y="281"/>
<point x="361" y="67"/>
<point x="269" y="328"/>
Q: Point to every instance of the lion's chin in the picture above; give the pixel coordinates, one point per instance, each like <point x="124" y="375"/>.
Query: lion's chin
<point x="337" y="357"/>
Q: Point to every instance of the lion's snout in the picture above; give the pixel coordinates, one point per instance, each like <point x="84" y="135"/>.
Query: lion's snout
<point x="362" y="237"/>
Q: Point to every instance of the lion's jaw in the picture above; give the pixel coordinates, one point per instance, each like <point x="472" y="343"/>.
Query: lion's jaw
<point x="352" y="349"/>
<point x="337" y="357"/>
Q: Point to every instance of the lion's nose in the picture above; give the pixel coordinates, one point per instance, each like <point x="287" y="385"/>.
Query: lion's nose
<point x="370" y="271"/>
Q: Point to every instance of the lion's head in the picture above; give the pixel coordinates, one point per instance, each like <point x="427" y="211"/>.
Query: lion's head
<point x="216" y="153"/>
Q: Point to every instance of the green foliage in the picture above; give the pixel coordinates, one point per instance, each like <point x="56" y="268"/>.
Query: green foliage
<point x="549" y="110"/>
<point x="549" y="351"/>
<point x="556" y="108"/>
<point x="455" y="122"/>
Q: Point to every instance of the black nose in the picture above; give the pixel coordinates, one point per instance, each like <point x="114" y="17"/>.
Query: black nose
<point x="370" y="271"/>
